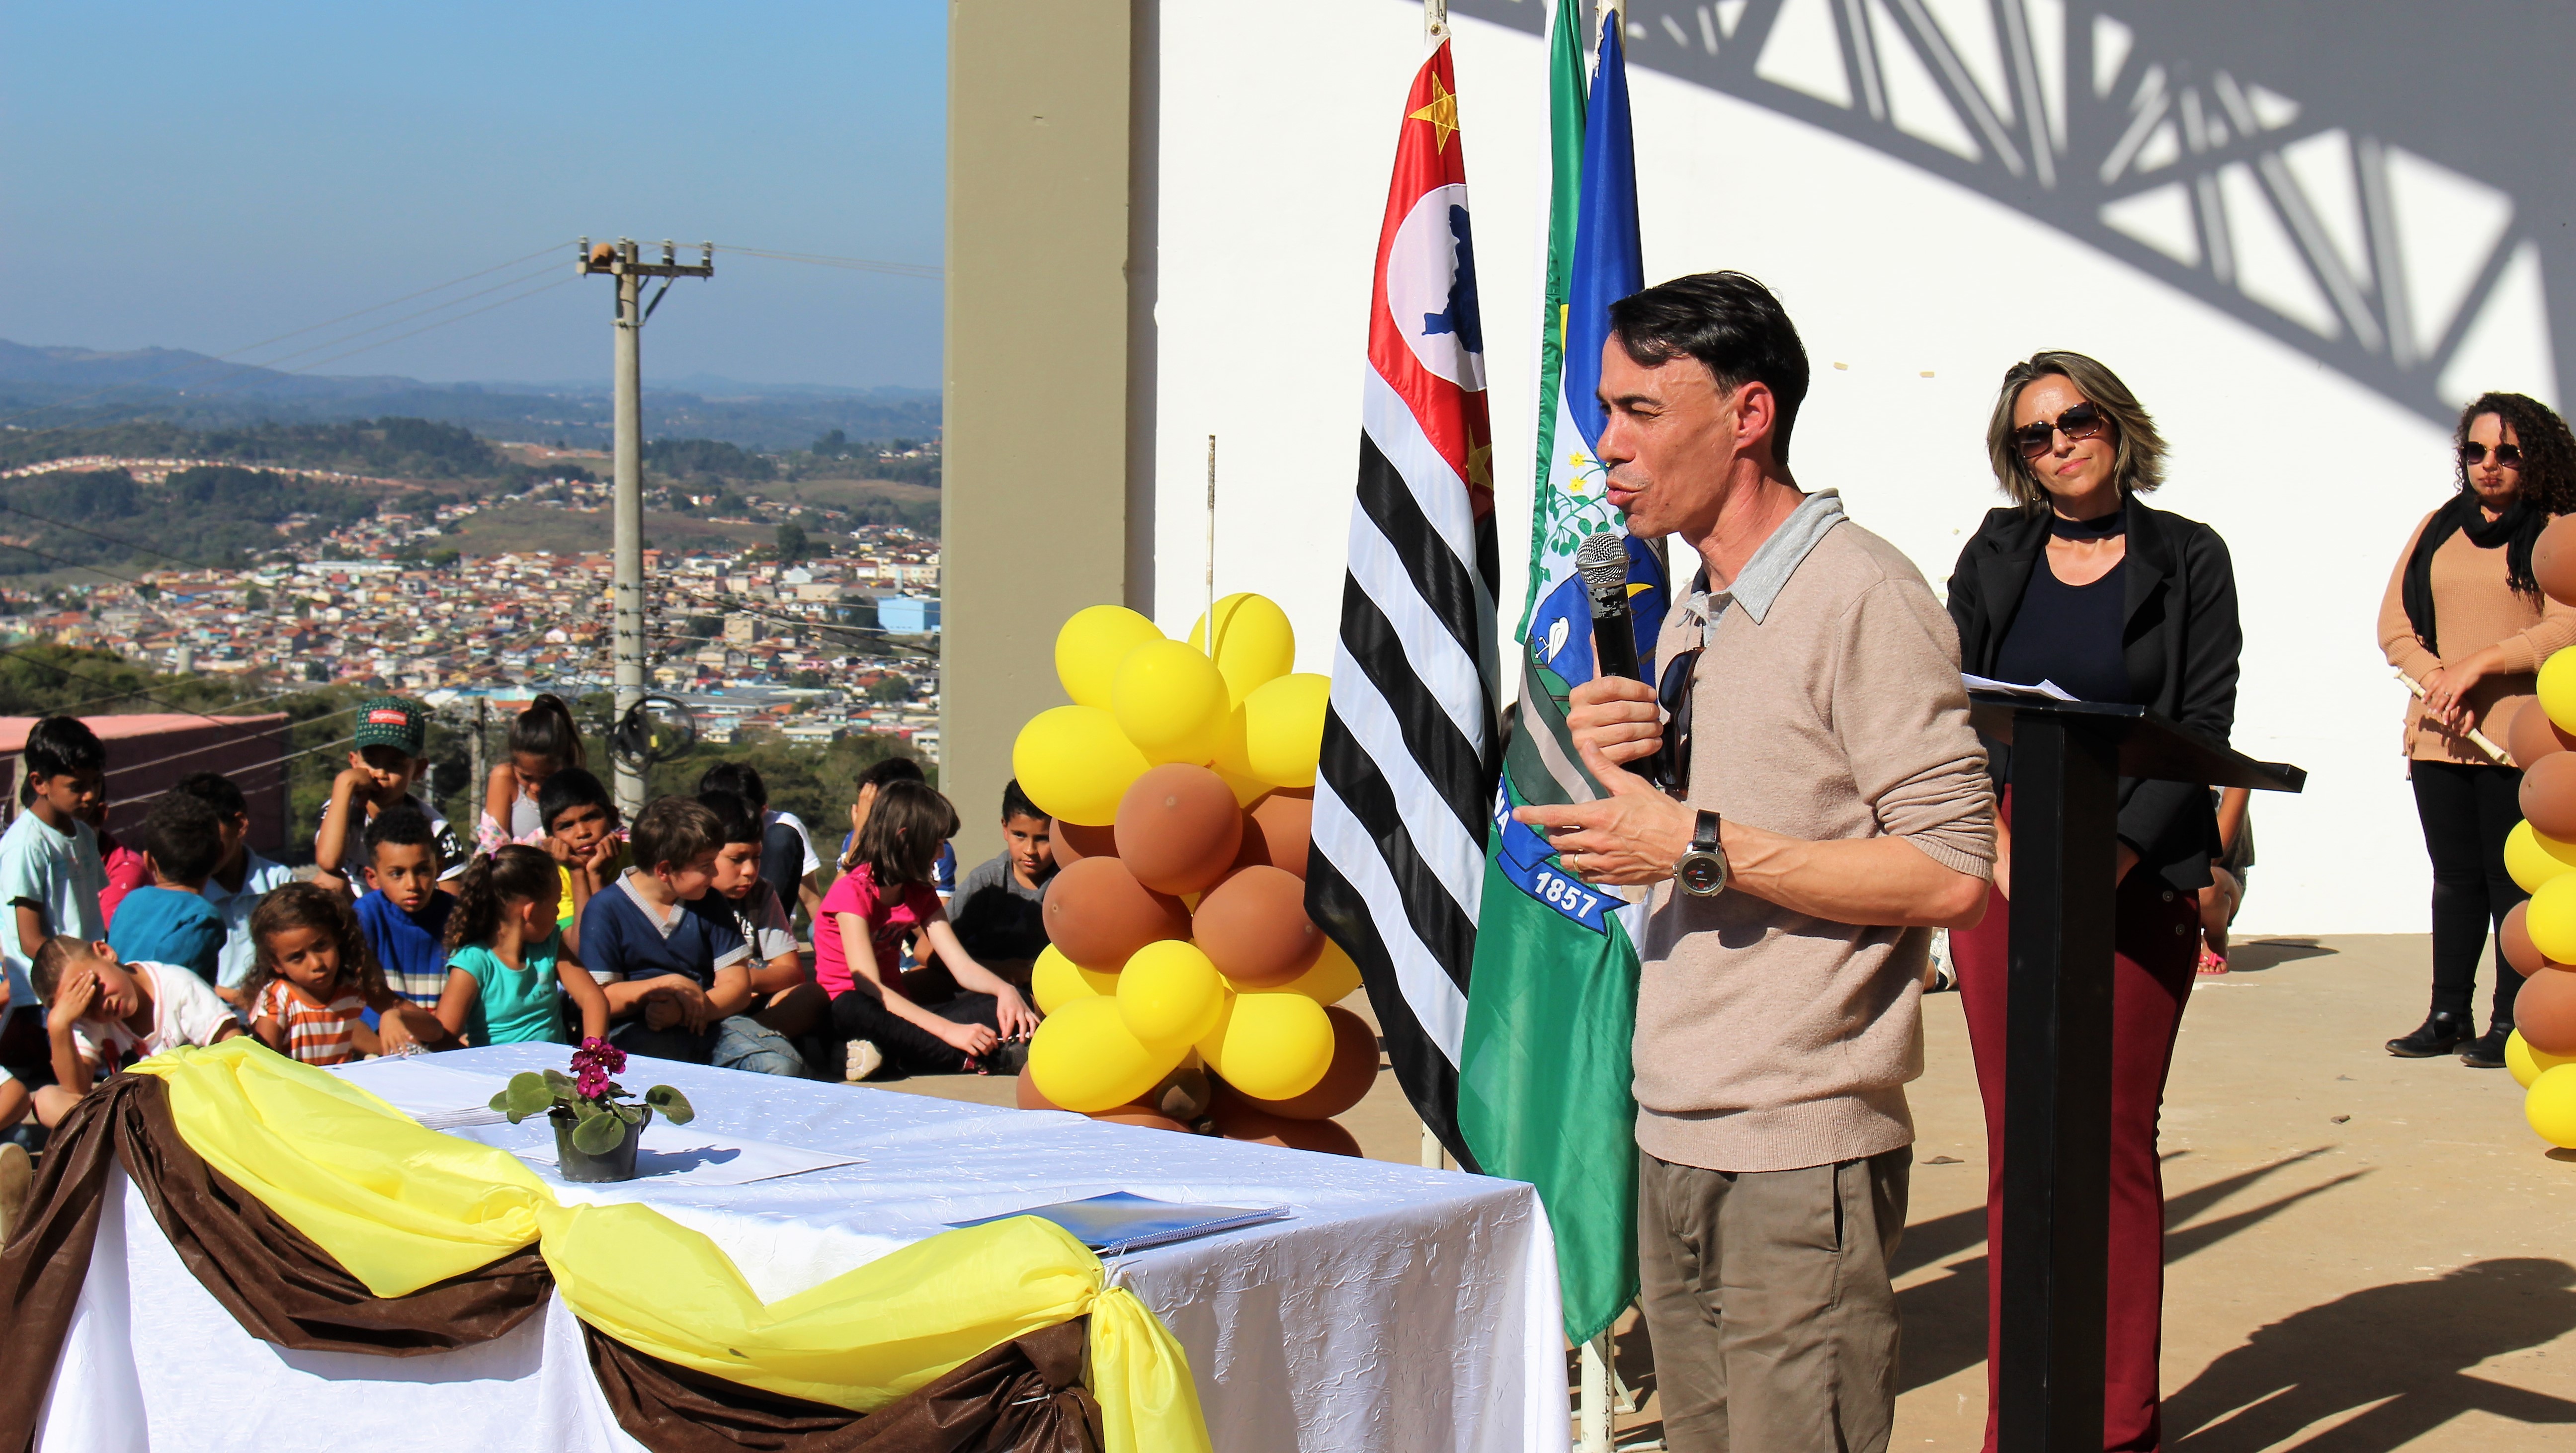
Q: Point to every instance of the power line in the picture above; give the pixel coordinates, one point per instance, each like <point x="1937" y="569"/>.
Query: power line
<point x="109" y="539"/>
<point x="855" y="264"/>
<point x="503" y="285"/>
<point x="282" y="337"/>
<point x="416" y="332"/>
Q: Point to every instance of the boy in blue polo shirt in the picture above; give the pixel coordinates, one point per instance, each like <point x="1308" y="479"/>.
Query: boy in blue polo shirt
<point x="677" y="976"/>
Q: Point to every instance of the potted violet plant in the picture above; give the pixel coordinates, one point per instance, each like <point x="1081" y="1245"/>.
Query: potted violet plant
<point x="596" y="1126"/>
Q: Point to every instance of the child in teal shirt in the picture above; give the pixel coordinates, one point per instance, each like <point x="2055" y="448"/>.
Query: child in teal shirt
<point x="507" y="967"/>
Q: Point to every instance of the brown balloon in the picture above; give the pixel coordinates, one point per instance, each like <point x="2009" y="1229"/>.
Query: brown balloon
<point x="1130" y="1115"/>
<point x="1347" y="1082"/>
<point x="1254" y="925"/>
<point x="2549" y="796"/>
<point x="1178" y="828"/>
<point x="1276" y="831"/>
<point x="1239" y="1118"/>
<point x="2515" y="939"/>
<point x="1098" y="915"/>
<point x="1074" y="842"/>
<point x="1183" y="1095"/>
<point x="1030" y="1097"/>
<point x="2545" y="1011"/>
<point x="2553" y="560"/>
<point x="2499" y="720"/>
<point x="2531" y="735"/>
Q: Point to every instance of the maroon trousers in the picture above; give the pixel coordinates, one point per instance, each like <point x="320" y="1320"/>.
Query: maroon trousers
<point x="2156" y="947"/>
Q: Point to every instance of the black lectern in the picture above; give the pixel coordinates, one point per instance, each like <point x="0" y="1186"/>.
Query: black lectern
<point x="2068" y="757"/>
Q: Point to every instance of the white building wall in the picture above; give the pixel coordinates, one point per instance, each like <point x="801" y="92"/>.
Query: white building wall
<point x="1277" y="127"/>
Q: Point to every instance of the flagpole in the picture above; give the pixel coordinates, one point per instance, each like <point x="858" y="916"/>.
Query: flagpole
<point x="1435" y="21"/>
<point x="1211" y="551"/>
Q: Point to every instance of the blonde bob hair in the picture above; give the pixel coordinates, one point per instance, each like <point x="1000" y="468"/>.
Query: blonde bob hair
<point x="2138" y="462"/>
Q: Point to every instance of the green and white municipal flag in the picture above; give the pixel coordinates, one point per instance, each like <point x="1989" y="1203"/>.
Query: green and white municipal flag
<point x="1544" y="1081"/>
<point x="1544" y="1085"/>
<point x="1594" y="258"/>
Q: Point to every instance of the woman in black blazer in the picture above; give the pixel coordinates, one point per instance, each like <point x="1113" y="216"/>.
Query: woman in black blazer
<point x="2080" y="583"/>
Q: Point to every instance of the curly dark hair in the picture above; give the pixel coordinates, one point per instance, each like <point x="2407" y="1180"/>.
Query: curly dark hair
<point x="2548" y="449"/>
<point x="305" y="905"/>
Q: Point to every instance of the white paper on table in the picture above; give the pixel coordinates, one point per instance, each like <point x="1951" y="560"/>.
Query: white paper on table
<point x="677" y="1155"/>
<point x="2049" y="689"/>
<point x="434" y="1095"/>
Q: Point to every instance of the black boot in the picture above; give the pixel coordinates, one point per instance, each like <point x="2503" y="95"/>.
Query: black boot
<point x="2486" y="1052"/>
<point x="2438" y="1035"/>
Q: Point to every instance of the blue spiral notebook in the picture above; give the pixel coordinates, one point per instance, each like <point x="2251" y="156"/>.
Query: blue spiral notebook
<point x="1118" y="1223"/>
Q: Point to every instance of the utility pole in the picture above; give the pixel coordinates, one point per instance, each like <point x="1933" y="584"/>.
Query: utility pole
<point x="475" y="775"/>
<point x="623" y="260"/>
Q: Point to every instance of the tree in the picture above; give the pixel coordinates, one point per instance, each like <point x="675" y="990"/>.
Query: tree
<point x="792" y="542"/>
<point x="890" y="688"/>
<point x="832" y="445"/>
<point x="255" y="600"/>
<point x="809" y="681"/>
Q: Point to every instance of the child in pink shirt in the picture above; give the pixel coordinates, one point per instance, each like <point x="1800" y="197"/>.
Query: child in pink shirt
<point x="886" y="897"/>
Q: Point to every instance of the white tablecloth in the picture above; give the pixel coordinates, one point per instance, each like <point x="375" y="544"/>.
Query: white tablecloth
<point x="1398" y="1308"/>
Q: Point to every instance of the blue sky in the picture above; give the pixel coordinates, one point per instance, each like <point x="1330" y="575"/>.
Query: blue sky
<point x="204" y="176"/>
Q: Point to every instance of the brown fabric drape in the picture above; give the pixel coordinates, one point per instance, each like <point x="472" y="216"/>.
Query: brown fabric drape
<point x="275" y="1281"/>
<point x="1023" y="1396"/>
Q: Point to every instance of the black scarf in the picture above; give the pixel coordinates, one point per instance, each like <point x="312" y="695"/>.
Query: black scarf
<point x="2515" y="529"/>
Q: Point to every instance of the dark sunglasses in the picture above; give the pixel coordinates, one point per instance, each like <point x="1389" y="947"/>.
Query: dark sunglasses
<point x="2080" y="422"/>
<point x="2474" y="454"/>
<point x="1669" y="767"/>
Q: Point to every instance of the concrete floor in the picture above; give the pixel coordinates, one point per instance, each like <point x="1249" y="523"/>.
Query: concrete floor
<point x="2365" y="1253"/>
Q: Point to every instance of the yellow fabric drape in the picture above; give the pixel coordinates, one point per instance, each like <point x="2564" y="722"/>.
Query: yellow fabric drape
<point x="402" y="1207"/>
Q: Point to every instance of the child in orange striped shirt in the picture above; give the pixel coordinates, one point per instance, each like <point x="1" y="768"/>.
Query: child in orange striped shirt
<point x="312" y="981"/>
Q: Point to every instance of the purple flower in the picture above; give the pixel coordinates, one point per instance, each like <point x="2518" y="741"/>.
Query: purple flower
<point x="591" y="1084"/>
<point x="598" y="1054"/>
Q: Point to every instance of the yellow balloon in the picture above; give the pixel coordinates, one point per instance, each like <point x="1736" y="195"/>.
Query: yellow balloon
<point x="1272" y="1046"/>
<point x="2552" y="920"/>
<point x="2558" y="689"/>
<point x="2527" y="1064"/>
<point x="2531" y="860"/>
<point x="1330" y="981"/>
<point x="1283" y="729"/>
<point x="1170" y="994"/>
<point x="1092" y="644"/>
<point x="1083" y="1058"/>
<point x="2550" y="1106"/>
<point x="1074" y="763"/>
<point x="1170" y="702"/>
<point x="1254" y="643"/>
<point x="1247" y="790"/>
<point x="1058" y="981"/>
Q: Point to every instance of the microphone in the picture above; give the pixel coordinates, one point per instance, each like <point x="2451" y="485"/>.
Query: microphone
<point x="1603" y="564"/>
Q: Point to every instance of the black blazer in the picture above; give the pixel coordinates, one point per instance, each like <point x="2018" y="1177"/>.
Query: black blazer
<point x="2180" y="642"/>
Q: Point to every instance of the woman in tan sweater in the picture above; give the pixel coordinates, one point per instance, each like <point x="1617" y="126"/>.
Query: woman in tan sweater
<point x="2465" y="619"/>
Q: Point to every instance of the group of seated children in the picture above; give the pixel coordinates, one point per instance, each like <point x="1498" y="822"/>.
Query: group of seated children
<point x="675" y="939"/>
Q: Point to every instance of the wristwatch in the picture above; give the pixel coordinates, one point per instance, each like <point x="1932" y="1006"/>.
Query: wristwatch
<point x="1701" y="869"/>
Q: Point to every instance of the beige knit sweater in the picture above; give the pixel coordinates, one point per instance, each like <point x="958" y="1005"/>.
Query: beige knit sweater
<point x="2473" y="609"/>
<point x="1766" y="1039"/>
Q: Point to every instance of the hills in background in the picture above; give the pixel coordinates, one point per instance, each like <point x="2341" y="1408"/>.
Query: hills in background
<point x="80" y="388"/>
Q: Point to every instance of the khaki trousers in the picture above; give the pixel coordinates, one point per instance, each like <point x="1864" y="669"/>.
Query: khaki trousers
<point x="1766" y="1295"/>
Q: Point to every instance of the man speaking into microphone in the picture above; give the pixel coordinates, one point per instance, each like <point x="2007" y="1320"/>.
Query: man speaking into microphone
<point x="1830" y="809"/>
